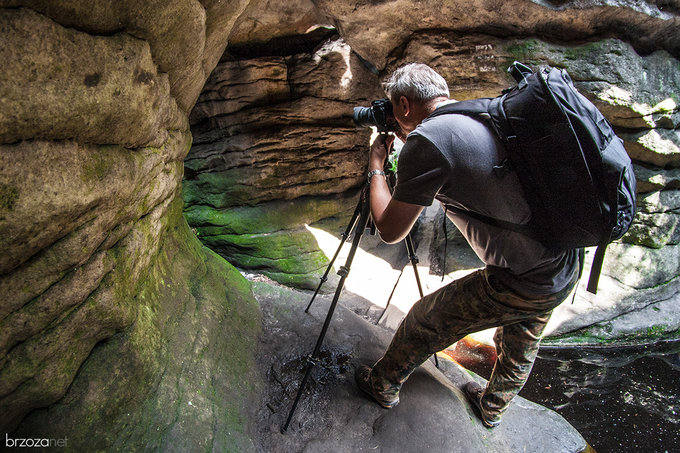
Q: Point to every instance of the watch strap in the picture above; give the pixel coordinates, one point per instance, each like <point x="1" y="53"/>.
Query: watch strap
<point x="372" y="173"/>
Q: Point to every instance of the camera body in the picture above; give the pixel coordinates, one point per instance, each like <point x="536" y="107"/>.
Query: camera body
<point x="379" y="115"/>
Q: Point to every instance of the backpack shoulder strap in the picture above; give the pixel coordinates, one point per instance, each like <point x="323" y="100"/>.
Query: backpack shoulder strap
<point x="489" y="109"/>
<point x="471" y="107"/>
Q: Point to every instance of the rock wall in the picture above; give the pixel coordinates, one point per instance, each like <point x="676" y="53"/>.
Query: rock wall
<point x="623" y="56"/>
<point x="114" y="321"/>
<point x="98" y="268"/>
<point x="275" y="150"/>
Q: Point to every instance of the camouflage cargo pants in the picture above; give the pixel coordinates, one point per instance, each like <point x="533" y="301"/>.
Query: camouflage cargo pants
<point x="473" y="303"/>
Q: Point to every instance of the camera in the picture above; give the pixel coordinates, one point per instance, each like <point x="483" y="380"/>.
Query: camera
<point x="379" y="114"/>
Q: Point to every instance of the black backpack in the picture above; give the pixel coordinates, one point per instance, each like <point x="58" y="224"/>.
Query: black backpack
<point x="574" y="170"/>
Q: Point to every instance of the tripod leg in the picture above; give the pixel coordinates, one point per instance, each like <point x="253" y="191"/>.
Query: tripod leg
<point x="344" y="237"/>
<point x="414" y="262"/>
<point x="343" y="272"/>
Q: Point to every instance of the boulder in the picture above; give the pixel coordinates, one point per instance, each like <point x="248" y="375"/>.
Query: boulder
<point x="93" y="132"/>
<point x="186" y="39"/>
<point x="334" y="415"/>
<point x="181" y="377"/>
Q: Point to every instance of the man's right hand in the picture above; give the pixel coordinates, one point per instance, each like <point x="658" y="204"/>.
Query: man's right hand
<point x="379" y="151"/>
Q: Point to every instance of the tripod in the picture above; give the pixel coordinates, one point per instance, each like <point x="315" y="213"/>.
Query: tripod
<point x="359" y="222"/>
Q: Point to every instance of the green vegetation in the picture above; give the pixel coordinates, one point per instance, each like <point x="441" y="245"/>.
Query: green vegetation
<point x="270" y="238"/>
<point x="524" y="51"/>
<point x="586" y="52"/>
<point x="181" y="369"/>
<point x="99" y="166"/>
<point x="8" y="197"/>
<point x="586" y="336"/>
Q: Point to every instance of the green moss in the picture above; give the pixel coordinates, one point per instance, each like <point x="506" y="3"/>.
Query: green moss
<point x="193" y="340"/>
<point x="586" y="336"/>
<point x="289" y="257"/>
<point x="219" y="189"/>
<point x="266" y="217"/>
<point x="587" y="51"/>
<point x="100" y="165"/>
<point x="282" y="248"/>
<point x="656" y="331"/>
<point x="8" y="197"/>
<point x="523" y="50"/>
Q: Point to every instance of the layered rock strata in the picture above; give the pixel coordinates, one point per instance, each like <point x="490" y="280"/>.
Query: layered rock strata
<point x="632" y="78"/>
<point x="98" y="270"/>
<point x="274" y="150"/>
<point x="110" y="307"/>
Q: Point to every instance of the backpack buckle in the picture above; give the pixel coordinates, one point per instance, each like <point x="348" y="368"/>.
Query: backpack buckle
<point x="503" y="169"/>
<point x="520" y="72"/>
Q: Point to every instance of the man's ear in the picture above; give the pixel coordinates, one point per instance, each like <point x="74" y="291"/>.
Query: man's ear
<point x="405" y="105"/>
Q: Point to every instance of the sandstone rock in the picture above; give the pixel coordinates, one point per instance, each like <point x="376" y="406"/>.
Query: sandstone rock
<point x="261" y="82"/>
<point x="660" y="147"/>
<point x="302" y="161"/>
<point x="186" y="38"/>
<point x="605" y="71"/>
<point x="651" y="180"/>
<point x="646" y="317"/>
<point x="657" y="222"/>
<point x="271" y="238"/>
<point x="641" y="267"/>
<point x="112" y="95"/>
<point x="366" y="26"/>
<point x="333" y="414"/>
<point x="474" y="65"/>
<point x="264" y="20"/>
<point x="93" y="131"/>
<point x="105" y="282"/>
<point x="637" y="301"/>
<point x="632" y="91"/>
<point x="305" y="101"/>
<point x="181" y="377"/>
<point x="37" y="371"/>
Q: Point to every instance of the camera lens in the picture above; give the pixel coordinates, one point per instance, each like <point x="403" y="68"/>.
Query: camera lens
<point x="363" y="116"/>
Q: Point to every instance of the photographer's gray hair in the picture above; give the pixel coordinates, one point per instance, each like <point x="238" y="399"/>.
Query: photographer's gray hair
<point x="416" y="81"/>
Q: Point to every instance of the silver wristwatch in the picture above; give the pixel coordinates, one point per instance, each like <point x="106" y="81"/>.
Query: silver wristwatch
<point x="372" y="173"/>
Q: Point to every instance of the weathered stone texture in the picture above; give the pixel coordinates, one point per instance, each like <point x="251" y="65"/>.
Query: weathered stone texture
<point x="94" y="102"/>
<point x="94" y="126"/>
<point x="182" y="375"/>
<point x="271" y="128"/>
<point x="264" y="20"/>
<point x="186" y="38"/>
<point x="112" y="93"/>
<point x="364" y="24"/>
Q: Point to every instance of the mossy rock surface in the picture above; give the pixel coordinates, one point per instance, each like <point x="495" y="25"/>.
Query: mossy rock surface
<point x="180" y="378"/>
<point x="273" y="238"/>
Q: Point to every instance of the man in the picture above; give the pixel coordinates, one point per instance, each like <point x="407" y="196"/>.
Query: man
<point x="451" y="158"/>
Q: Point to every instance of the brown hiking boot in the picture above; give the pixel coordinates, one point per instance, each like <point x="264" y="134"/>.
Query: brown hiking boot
<point x="473" y="393"/>
<point x="363" y="379"/>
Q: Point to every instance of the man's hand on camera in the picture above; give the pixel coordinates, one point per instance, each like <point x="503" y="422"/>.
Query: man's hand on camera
<point x="379" y="151"/>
